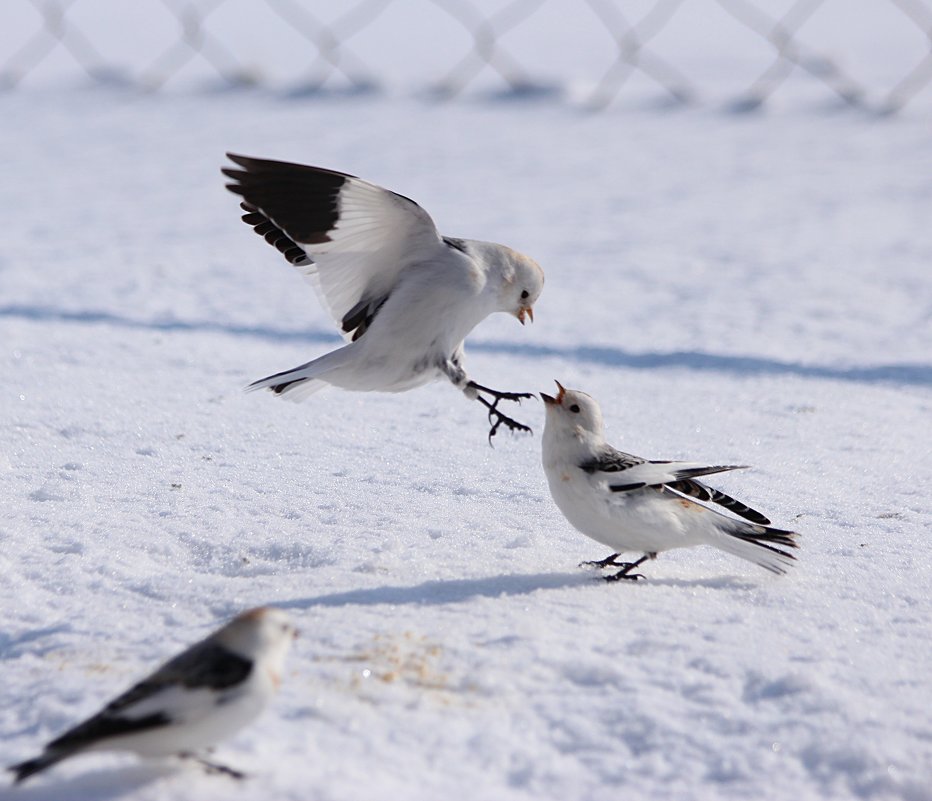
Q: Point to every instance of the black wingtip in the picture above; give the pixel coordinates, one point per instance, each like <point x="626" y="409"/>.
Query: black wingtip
<point x="243" y="161"/>
<point x="696" y="472"/>
<point x="24" y="770"/>
<point x="768" y="538"/>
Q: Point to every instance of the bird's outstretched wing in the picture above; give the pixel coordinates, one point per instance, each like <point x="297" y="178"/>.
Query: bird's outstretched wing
<point x="168" y="696"/>
<point x="350" y="238"/>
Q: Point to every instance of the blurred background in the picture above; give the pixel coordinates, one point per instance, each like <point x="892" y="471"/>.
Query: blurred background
<point x="736" y="54"/>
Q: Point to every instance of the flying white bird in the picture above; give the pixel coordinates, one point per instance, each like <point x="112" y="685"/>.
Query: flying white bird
<point x="404" y="296"/>
<point x="631" y="504"/>
<point x="204" y="695"/>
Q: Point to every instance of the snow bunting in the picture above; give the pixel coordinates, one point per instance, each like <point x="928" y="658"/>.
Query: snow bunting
<point x="204" y="695"/>
<point x="404" y="296"/>
<point x="631" y="504"/>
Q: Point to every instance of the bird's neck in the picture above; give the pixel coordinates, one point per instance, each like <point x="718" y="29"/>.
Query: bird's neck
<point x="572" y="446"/>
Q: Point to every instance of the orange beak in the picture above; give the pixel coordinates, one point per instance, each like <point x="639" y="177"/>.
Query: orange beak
<point x="550" y="401"/>
<point x="526" y="311"/>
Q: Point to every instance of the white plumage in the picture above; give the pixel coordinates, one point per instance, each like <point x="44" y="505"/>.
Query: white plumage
<point x="404" y="296"/>
<point x="630" y="504"/>
<point x="202" y="696"/>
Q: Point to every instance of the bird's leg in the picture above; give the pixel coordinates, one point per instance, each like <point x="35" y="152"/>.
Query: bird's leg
<point x="499" y="396"/>
<point x="214" y="768"/>
<point x="608" y="561"/>
<point x="497" y="419"/>
<point x="625" y="573"/>
<point x="454" y="371"/>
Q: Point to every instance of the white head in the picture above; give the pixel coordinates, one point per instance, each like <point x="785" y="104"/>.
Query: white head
<point x="572" y="413"/>
<point x="521" y="280"/>
<point x="262" y="633"/>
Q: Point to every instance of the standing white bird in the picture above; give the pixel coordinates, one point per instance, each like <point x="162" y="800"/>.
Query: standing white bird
<point x="204" y="695"/>
<point x="631" y="504"/>
<point x="405" y="296"/>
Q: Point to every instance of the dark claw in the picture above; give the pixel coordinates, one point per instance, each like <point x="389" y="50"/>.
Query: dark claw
<point x="513" y="396"/>
<point x="508" y="396"/>
<point x="623" y="576"/>
<point x="608" y="561"/>
<point x="497" y="419"/>
<point x="215" y="768"/>
<point x="626" y="567"/>
<point x="511" y="425"/>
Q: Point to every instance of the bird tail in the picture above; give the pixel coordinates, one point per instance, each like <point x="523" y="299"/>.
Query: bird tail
<point x="290" y="385"/>
<point x="30" y="767"/>
<point x="758" y="544"/>
<point x="301" y="382"/>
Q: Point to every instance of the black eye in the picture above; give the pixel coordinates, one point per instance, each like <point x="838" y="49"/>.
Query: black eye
<point x="524" y="294"/>
<point x="575" y="408"/>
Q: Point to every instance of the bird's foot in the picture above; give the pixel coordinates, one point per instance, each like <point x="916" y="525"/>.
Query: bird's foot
<point x="623" y="575"/>
<point x="498" y="419"/>
<point x="215" y="768"/>
<point x="608" y="561"/>
<point x="517" y="397"/>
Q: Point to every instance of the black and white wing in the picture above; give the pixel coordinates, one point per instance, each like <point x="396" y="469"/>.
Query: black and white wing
<point x="624" y="472"/>
<point x="699" y="491"/>
<point x="612" y="461"/>
<point x="350" y="238"/>
<point x="184" y="689"/>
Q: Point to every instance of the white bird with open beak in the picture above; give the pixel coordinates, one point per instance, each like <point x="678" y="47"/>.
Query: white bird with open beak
<point x="202" y="696"/>
<point x="404" y="296"/>
<point x="630" y="504"/>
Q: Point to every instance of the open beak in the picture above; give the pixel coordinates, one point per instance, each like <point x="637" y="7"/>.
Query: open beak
<point x="525" y="311"/>
<point x="551" y="401"/>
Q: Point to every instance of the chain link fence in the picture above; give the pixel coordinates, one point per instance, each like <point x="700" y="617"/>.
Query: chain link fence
<point x="589" y="52"/>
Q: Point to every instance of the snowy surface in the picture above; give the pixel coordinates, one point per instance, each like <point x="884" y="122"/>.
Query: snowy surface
<point x="751" y="289"/>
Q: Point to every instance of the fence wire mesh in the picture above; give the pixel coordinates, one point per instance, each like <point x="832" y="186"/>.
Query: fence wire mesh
<point x="318" y="46"/>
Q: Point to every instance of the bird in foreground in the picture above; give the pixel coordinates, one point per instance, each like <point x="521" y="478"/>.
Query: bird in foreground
<point x="204" y="695"/>
<point x="403" y="295"/>
<point x="631" y="504"/>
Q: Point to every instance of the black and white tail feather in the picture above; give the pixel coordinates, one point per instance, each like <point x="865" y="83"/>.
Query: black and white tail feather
<point x="758" y="544"/>
<point x="299" y="383"/>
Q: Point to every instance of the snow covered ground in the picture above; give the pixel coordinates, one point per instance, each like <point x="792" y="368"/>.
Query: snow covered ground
<point x="739" y="289"/>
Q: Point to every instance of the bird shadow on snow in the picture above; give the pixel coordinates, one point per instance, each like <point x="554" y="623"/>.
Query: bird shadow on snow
<point x="49" y="314"/>
<point x="95" y="785"/>
<point x="11" y="646"/>
<point x="710" y="583"/>
<point x="608" y="356"/>
<point x="453" y="591"/>
<point x="435" y="593"/>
